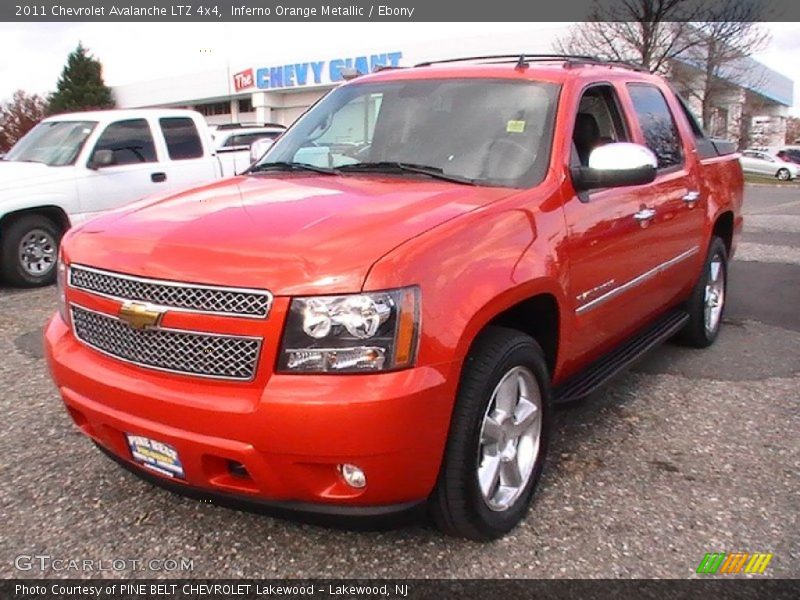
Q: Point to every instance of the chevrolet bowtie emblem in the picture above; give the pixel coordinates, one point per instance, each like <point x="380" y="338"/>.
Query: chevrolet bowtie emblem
<point x="140" y="316"/>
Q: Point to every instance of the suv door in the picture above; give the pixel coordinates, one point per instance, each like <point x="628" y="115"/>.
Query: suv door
<point x="131" y="176"/>
<point x="677" y="195"/>
<point x="613" y="252"/>
<point x="188" y="160"/>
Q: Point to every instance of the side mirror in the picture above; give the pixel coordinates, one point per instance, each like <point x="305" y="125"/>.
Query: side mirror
<point x="616" y="165"/>
<point x="259" y="148"/>
<point x="101" y="158"/>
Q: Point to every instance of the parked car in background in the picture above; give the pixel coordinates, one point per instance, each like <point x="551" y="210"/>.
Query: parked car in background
<point x="234" y="141"/>
<point x="761" y="163"/>
<point x="72" y="167"/>
<point x="239" y="136"/>
<point x="789" y="154"/>
<point x="382" y="311"/>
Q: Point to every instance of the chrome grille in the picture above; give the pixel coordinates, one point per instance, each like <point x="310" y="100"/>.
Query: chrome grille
<point x="173" y="295"/>
<point x="192" y="353"/>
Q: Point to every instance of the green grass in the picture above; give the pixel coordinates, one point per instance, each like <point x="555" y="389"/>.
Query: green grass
<point x="753" y="178"/>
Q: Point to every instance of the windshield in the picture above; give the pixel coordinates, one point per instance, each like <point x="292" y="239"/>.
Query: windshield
<point x="487" y="131"/>
<point x="54" y="143"/>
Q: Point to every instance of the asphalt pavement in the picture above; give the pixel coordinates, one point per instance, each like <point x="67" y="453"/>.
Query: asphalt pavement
<point x="689" y="452"/>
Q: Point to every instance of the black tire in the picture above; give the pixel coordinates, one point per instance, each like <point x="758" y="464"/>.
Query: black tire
<point x="783" y="174"/>
<point x="457" y="504"/>
<point x="696" y="334"/>
<point x="12" y="235"/>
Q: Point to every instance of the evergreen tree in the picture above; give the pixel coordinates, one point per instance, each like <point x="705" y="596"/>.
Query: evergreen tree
<point x="81" y="85"/>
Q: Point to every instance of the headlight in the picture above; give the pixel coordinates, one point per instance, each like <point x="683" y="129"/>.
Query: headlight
<point x="61" y="284"/>
<point x="375" y="331"/>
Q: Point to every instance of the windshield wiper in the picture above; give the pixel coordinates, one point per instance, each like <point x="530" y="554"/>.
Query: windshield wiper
<point x="384" y="166"/>
<point x="290" y="166"/>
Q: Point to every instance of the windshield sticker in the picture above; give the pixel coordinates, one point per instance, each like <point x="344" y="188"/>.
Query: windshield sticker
<point x="515" y="127"/>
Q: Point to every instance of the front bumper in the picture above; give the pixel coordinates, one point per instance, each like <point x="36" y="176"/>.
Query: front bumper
<point x="290" y="435"/>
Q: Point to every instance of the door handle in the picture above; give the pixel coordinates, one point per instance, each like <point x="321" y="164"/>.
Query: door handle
<point x="158" y="177"/>
<point x="691" y="197"/>
<point x="644" y="214"/>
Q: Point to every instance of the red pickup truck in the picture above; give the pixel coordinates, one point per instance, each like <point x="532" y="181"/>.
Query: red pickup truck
<point x="383" y="311"/>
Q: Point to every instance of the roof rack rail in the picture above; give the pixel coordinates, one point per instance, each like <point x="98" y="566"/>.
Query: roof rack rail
<point x="224" y="126"/>
<point x="523" y="59"/>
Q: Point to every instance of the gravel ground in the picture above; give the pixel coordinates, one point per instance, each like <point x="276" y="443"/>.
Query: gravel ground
<point x="691" y="452"/>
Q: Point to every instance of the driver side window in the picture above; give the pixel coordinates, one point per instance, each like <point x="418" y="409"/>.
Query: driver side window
<point x="598" y="122"/>
<point x="131" y="142"/>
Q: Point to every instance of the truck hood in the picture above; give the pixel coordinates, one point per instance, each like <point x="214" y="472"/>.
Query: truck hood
<point x="16" y="175"/>
<point x="289" y="233"/>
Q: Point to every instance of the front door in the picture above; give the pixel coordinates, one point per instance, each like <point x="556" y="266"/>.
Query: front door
<point x="613" y="244"/>
<point x="134" y="173"/>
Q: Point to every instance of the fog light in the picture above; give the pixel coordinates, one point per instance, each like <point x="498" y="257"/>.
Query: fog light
<point x="353" y="475"/>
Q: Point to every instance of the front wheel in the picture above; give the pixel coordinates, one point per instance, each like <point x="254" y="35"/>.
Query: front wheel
<point x="783" y="174"/>
<point x="498" y="438"/>
<point x="707" y="303"/>
<point x="29" y="251"/>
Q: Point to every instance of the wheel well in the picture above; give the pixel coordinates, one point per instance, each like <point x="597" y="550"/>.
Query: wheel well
<point x="539" y="318"/>
<point x="54" y="213"/>
<point x="723" y="229"/>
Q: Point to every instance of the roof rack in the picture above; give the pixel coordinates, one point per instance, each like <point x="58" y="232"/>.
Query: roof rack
<point x="225" y="126"/>
<point x="522" y="60"/>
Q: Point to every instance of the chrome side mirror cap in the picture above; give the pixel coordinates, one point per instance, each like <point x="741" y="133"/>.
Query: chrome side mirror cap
<point x="615" y="165"/>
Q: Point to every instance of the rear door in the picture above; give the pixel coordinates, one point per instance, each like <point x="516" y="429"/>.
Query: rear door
<point x="677" y="196"/>
<point x="132" y="174"/>
<point x="188" y="158"/>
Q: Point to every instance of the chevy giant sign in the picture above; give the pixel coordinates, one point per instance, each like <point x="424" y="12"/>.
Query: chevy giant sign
<point x="311" y="73"/>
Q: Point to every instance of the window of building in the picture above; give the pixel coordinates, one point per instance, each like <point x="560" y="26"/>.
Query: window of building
<point x="131" y="141"/>
<point x="214" y="108"/>
<point x="658" y="126"/>
<point x="245" y="105"/>
<point x="183" y="141"/>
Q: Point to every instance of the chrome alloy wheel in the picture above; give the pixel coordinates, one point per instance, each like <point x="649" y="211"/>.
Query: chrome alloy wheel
<point x="37" y="252"/>
<point x="715" y="294"/>
<point x="509" y="441"/>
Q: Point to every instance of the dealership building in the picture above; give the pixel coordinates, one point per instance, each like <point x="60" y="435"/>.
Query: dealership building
<point x="280" y="86"/>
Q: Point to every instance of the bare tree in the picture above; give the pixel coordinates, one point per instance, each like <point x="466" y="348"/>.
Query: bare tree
<point x="686" y="40"/>
<point x="793" y="130"/>
<point x="723" y="50"/>
<point x="650" y="33"/>
<point x="18" y="116"/>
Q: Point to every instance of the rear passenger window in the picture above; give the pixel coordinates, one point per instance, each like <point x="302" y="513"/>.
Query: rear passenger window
<point x="658" y="126"/>
<point x="183" y="141"/>
<point x="131" y="141"/>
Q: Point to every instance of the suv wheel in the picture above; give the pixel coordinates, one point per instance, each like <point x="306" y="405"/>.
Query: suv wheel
<point x="498" y="438"/>
<point x="707" y="303"/>
<point x="29" y="248"/>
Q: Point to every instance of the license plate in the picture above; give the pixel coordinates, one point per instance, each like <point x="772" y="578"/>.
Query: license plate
<point x="155" y="455"/>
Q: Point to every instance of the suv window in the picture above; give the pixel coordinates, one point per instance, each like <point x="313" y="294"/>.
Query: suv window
<point x="658" y="126"/>
<point x="183" y="141"/>
<point x="495" y="132"/>
<point x="131" y="141"/>
<point x="598" y="122"/>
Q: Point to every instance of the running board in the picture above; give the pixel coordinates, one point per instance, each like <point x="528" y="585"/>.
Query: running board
<point x="611" y="364"/>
